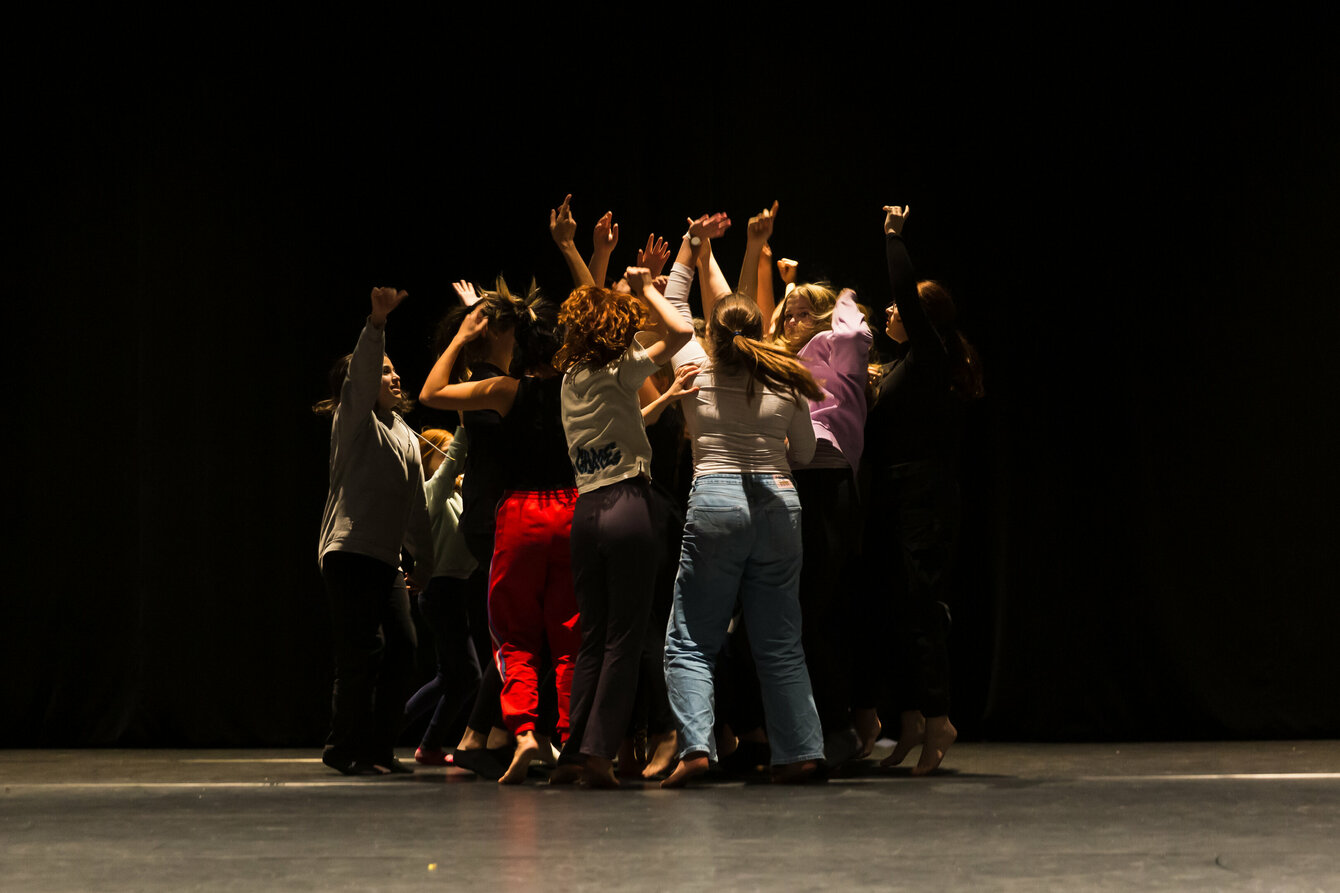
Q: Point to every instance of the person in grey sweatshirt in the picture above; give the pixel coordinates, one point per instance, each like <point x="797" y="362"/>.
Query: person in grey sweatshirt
<point x="375" y="507"/>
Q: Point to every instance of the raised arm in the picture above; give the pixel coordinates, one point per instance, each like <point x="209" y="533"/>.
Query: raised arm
<point x="438" y="392"/>
<point x="672" y="329"/>
<point x="767" y="304"/>
<point x="654" y="256"/>
<point x="563" y="229"/>
<point x="711" y="281"/>
<point x="760" y="230"/>
<point x="606" y="236"/>
<point x="362" y="384"/>
<point x="787" y="268"/>
<point x="696" y="251"/>
<point x="903" y="281"/>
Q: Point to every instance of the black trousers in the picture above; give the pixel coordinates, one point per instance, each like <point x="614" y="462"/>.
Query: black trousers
<point x="914" y="520"/>
<point x="443" y="606"/>
<point x="373" y="638"/>
<point x="828" y="528"/>
<point x="615" y="554"/>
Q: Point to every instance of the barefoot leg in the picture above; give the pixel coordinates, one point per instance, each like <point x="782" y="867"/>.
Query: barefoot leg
<point x="527" y="749"/>
<point x="794" y="773"/>
<point x="913" y="732"/>
<point x="497" y="738"/>
<point x="472" y="740"/>
<point x="868" y="727"/>
<point x="566" y="773"/>
<point x="691" y="765"/>
<point x="599" y="773"/>
<point x="940" y="733"/>
<point x="663" y="749"/>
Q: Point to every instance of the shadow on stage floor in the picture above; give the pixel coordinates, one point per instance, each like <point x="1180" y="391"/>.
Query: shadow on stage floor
<point x="1249" y="815"/>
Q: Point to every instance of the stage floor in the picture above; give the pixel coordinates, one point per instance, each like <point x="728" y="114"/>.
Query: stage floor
<point x="1242" y="815"/>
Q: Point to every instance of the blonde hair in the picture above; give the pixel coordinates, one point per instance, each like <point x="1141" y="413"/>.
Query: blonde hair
<point x="822" y="300"/>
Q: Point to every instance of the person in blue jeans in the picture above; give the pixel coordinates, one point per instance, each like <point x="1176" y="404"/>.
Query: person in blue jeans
<point x="741" y="534"/>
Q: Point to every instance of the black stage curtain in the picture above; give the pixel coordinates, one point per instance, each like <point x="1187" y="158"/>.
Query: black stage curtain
<point x="1143" y="250"/>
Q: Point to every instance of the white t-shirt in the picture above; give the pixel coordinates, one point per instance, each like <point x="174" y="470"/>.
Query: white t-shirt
<point x="602" y="418"/>
<point x="735" y="435"/>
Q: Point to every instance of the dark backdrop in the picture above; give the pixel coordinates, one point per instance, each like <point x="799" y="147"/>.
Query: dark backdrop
<point x="1138" y="219"/>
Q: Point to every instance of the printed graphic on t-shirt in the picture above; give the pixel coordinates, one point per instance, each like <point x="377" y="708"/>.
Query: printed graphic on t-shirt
<point x="589" y="461"/>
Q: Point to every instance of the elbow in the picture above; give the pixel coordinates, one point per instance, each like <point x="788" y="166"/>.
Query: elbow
<point x="680" y="334"/>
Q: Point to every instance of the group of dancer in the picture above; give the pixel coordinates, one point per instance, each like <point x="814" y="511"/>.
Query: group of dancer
<point x="623" y="611"/>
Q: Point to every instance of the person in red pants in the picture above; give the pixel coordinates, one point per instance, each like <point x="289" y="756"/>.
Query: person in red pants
<point x="531" y="600"/>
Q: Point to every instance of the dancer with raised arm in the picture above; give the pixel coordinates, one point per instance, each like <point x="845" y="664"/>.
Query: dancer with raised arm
<point x="742" y="534"/>
<point x="531" y="601"/>
<point x="914" y="431"/>
<point x="613" y="341"/>
<point x="374" y="508"/>
<point x="827" y="332"/>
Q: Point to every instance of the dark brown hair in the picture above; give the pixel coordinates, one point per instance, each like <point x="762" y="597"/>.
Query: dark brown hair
<point x="965" y="377"/>
<point x="339" y="371"/>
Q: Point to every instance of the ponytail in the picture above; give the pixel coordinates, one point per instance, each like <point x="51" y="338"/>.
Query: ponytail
<point x="735" y="333"/>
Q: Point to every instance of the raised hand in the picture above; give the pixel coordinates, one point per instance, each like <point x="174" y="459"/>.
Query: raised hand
<point x="606" y="235"/>
<point x="654" y="256"/>
<point x="894" y="218"/>
<point x="709" y="226"/>
<point x="384" y="300"/>
<point x="561" y="225"/>
<point x="760" y="226"/>
<point x="786" y="268"/>
<point x="466" y="292"/>
<point x="473" y="326"/>
<point x="638" y="279"/>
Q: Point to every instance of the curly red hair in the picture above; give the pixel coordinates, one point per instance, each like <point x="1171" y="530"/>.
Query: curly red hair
<point x="600" y="324"/>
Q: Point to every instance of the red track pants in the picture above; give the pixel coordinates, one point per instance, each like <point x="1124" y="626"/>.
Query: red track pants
<point x="531" y="600"/>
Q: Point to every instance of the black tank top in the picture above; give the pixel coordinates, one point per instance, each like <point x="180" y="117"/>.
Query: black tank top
<point x="532" y="438"/>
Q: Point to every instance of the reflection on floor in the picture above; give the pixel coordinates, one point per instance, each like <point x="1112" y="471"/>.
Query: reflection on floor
<point x="1245" y="815"/>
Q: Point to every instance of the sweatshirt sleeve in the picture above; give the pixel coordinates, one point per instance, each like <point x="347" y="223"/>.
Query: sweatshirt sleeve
<point x="851" y="337"/>
<point x="363" y="381"/>
<point x="903" y="284"/>
<point x="677" y="293"/>
<point x="419" y="531"/>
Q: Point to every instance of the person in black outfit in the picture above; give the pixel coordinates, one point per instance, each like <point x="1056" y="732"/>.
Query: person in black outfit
<point x="912" y="442"/>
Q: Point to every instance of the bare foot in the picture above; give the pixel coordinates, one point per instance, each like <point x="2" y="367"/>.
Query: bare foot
<point x="662" y="749"/>
<point x="599" y="773"/>
<point x="629" y="764"/>
<point x="498" y="738"/>
<point x="548" y="755"/>
<point x="687" y="768"/>
<point x="868" y="727"/>
<point x="794" y="773"/>
<point x="940" y="733"/>
<point x="726" y="741"/>
<point x="527" y="749"/>
<point x="473" y="740"/>
<point x="566" y="773"/>
<point x="912" y="734"/>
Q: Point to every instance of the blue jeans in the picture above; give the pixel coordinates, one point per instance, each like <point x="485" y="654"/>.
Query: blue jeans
<point x="741" y="539"/>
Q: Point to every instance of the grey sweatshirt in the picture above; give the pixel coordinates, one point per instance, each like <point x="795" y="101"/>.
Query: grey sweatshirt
<point x="376" y="501"/>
